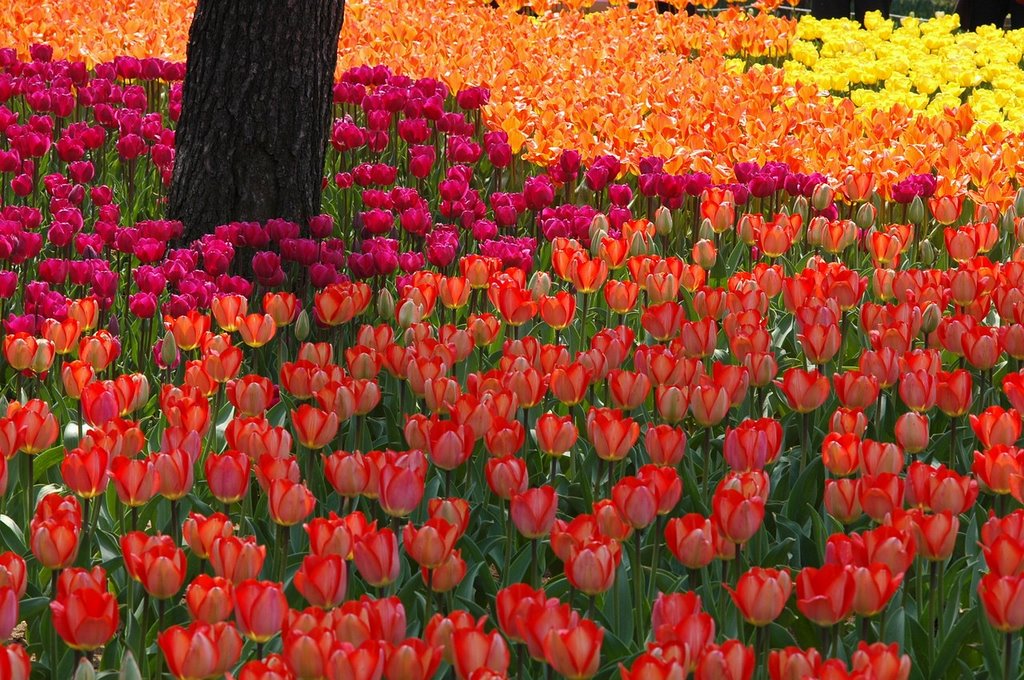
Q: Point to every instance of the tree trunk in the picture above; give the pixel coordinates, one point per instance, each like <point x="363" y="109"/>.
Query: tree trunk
<point x="256" y="112"/>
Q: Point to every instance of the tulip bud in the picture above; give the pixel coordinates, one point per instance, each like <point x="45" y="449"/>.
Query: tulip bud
<point x="598" y="225"/>
<point x="814" y="229"/>
<point x="927" y="253"/>
<point x="169" y="350"/>
<point x="302" y="326"/>
<point x="129" y="668"/>
<point x="865" y="216"/>
<point x="409" y="313"/>
<point x="595" y="241"/>
<point x="385" y="304"/>
<point x="540" y="284"/>
<point x="822" y="196"/>
<point x="915" y="213"/>
<point x="704" y="253"/>
<point x="663" y="223"/>
<point x="114" y="326"/>
<point x="85" y="671"/>
<point x="706" y="230"/>
<point x="1018" y="201"/>
<point x="1008" y="220"/>
<point x="638" y="245"/>
<point x="930" y="318"/>
<point x="801" y="208"/>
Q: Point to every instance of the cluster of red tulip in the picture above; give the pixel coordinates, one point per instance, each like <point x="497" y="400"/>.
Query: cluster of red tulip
<point x="520" y="421"/>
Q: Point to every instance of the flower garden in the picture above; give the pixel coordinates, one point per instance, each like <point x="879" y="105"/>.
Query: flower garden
<point x="628" y="345"/>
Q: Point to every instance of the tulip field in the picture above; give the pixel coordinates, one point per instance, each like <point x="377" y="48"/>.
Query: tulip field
<point x="628" y="345"/>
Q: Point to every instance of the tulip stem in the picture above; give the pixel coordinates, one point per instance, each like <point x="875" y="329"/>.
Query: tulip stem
<point x="161" y="605"/>
<point x="706" y="446"/>
<point x="28" y="486"/>
<point x="282" y="544"/>
<point x="428" y="597"/>
<point x="656" y="540"/>
<point x="51" y="633"/>
<point x="1007" y="655"/>
<point x="954" y="443"/>
<point x="534" y="572"/>
<point x="638" y="585"/>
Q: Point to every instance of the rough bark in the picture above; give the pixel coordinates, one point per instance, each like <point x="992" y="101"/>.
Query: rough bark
<point x="256" y="111"/>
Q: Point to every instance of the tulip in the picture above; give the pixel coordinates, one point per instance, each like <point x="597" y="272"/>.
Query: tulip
<point x="237" y="559"/>
<point x="200" y="532"/>
<point x="691" y="539"/>
<point x="260" y="609"/>
<point x="732" y="660"/>
<point x="474" y="650"/>
<point x="430" y="545"/>
<point x="190" y="652"/>
<point x="804" y="390"/>
<point x="575" y="653"/>
<point x="86" y="618"/>
<point x="376" y="557"/>
<point x="413" y="659"/>
<point x="160" y="568"/>
<point x="14" y="662"/>
<point x="760" y="594"/>
<point x="874" y="586"/>
<point x="591" y="567"/>
<point x="1003" y="599"/>
<point x="322" y="580"/>
<point x="825" y="596"/>
<point x="289" y="503"/>
<point x="314" y="428"/>
<point x="533" y="511"/>
<point x="793" y="663"/>
<point x="449" y="574"/>
<point x="227" y="475"/>
<point x="555" y="435"/>
<point x="209" y="598"/>
<point x="737" y="517"/>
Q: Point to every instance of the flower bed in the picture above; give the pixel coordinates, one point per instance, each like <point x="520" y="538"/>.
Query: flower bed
<point x="504" y="418"/>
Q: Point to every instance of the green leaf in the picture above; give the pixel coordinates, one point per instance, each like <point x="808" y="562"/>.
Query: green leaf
<point x="12" y="535"/>
<point x="46" y="460"/>
<point x="952" y="643"/>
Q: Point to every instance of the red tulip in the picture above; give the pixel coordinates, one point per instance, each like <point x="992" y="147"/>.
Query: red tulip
<point x="209" y="598"/>
<point x="314" y="428"/>
<point x="85" y="618"/>
<point x="190" y="652"/>
<point x="289" y="503"/>
<point x="793" y="663"/>
<point x="996" y="426"/>
<point x="575" y="653"/>
<point x="732" y="660"/>
<point x="1003" y="599"/>
<point x="448" y="575"/>
<point x="430" y="545"/>
<point x="8" y="611"/>
<point x="401" y="488"/>
<point x="136" y="481"/>
<point x="227" y="475"/>
<point x="85" y="471"/>
<point x="591" y="567"/>
<point x="737" y="517"/>
<point x="365" y="662"/>
<point x="533" y="511"/>
<point x="881" y="661"/>
<point x="260" y="609"/>
<point x="612" y="435"/>
<point x="160" y="568"/>
<point x="14" y="662"/>
<point x="874" y="586"/>
<point x="804" y="390"/>
<point x="474" y="650"/>
<point x="825" y="596"/>
<point x="666" y="445"/>
<point x="506" y="476"/>
<point x="761" y="594"/>
<point x="200" y="532"/>
<point x="329" y="536"/>
<point x="322" y="580"/>
<point x="236" y="558"/>
<point x="691" y="538"/>
<point x="376" y="557"/>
